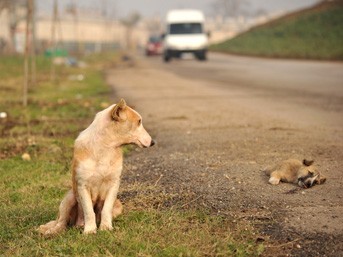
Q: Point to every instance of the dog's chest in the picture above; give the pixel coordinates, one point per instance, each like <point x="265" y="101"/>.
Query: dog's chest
<point x="99" y="172"/>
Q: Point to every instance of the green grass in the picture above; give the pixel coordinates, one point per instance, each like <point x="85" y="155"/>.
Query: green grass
<point x="30" y="191"/>
<point x="311" y="34"/>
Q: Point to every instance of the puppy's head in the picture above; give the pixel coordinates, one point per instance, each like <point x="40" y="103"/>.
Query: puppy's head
<point x="128" y="126"/>
<point x="309" y="175"/>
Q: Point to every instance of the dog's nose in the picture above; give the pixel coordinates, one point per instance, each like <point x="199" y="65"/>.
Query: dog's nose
<point x="152" y="142"/>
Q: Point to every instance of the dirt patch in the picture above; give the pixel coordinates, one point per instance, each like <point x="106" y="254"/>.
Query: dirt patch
<point x="210" y="153"/>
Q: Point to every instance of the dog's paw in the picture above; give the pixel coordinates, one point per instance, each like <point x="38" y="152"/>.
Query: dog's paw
<point x="106" y="226"/>
<point x="89" y="230"/>
<point x="274" y="181"/>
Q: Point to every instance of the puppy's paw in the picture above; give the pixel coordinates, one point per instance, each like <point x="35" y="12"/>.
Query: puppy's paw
<point x="274" y="181"/>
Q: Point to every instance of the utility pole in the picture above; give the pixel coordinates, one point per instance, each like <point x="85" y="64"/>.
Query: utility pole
<point x="27" y="46"/>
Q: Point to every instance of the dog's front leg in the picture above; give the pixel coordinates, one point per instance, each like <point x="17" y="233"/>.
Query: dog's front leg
<point x="107" y="210"/>
<point x="87" y="206"/>
<point x="275" y="178"/>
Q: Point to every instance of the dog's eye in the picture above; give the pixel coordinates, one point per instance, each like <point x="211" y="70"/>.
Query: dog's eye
<point x="139" y="122"/>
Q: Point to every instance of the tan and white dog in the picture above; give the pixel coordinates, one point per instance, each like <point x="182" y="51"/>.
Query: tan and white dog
<point x="303" y="173"/>
<point x="96" y="170"/>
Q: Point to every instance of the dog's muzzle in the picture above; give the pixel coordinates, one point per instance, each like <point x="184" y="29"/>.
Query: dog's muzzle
<point x="307" y="181"/>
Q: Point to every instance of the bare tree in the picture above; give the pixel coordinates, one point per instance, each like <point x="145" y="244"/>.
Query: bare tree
<point x="130" y="22"/>
<point x="153" y="25"/>
<point x="73" y="10"/>
<point x="53" y="40"/>
<point x="229" y="8"/>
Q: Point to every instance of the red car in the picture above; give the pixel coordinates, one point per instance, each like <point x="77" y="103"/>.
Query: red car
<point x="154" y="46"/>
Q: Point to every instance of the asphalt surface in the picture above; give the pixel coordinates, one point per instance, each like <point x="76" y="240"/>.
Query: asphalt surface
<point x="303" y="92"/>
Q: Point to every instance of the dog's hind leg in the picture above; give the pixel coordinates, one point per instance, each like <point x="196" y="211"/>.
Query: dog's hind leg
<point x="65" y="208"/>
<point x="80" y="220"/>
<point x="116" y="211"/>
<point x="117" y="208"/>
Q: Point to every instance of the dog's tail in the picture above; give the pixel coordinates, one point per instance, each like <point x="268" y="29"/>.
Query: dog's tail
<point x="66" y="207"/>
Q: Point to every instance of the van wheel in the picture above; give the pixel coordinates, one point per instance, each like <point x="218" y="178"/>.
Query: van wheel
<point x="201" y="56"/>
<point x="166" y="57"/>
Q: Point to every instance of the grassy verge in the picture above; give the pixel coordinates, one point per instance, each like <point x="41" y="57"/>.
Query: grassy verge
<point x="315" y="33"/>
<point x="30" y="191"/>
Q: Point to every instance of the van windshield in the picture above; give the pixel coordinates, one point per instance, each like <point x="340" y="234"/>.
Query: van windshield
<point x="185" y="28"/>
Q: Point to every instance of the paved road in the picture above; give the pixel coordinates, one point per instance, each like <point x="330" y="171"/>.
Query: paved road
<point x="218" y="123"/>
<point x="303" y="92"/>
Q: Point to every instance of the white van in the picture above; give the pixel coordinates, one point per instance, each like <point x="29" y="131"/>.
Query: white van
<point x="185" y="34"/>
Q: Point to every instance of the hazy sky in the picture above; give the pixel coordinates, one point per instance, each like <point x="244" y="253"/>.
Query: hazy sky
<point x="151" y="7"/>
<point x="121" y="8"/>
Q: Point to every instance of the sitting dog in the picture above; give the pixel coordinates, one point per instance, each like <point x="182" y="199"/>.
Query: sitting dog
<point x="96" y="170"/>
<point x="294" y="171"/>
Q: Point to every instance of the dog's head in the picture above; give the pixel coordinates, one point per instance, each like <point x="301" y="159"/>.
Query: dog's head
<point x="128" y="126"/>
<point x="309" y="175"/>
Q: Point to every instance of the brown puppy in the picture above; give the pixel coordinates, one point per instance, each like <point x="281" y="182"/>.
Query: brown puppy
<point x="294" y="171"/>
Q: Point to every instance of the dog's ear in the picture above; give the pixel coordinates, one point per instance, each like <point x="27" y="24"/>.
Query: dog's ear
<point x="117" y="111"/>
<point x="307" y="162"/>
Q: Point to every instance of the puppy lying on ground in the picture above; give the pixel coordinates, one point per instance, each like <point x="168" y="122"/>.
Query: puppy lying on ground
<point x="294" y="171"/>
<point x="96" y="170"/>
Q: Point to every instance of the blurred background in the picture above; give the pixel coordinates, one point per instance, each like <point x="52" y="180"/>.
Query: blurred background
<point x="93" y="26"/>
